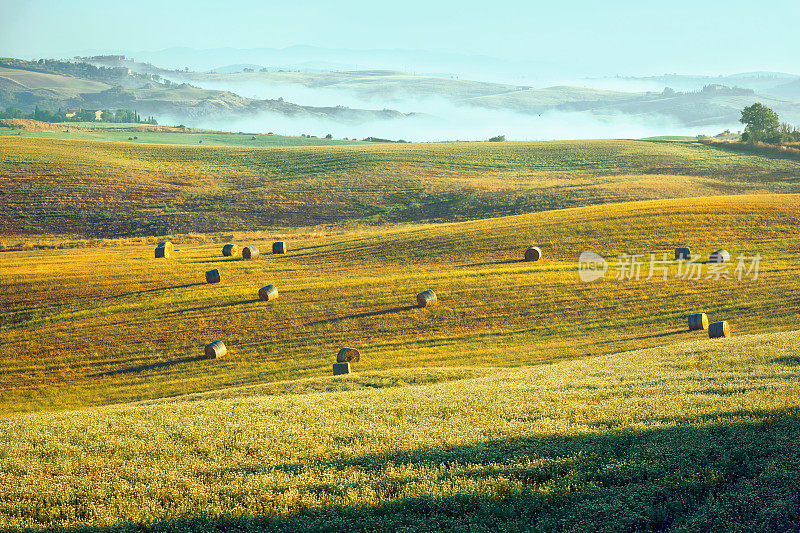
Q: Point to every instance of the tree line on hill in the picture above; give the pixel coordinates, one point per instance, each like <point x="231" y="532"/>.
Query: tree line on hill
<point x="81" y="70"/>
<point x="68" y="68"/>
<point x="79" y="115"/>
<point x="762" y="124"/>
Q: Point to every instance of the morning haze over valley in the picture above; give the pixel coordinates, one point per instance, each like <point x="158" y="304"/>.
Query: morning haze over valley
<point x="357" y="266"/>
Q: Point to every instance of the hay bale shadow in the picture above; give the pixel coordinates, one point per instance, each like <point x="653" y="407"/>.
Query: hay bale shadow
<point x="216" y="260"/>
<point x="158" y="289"/>
<point x="660" y="335"/>
<point x="489" y="263"/>
<point x="366" y="315"/>
<point x="789" y="360"/>
<point x="212" y="306"/>
<point x="150" y="366"/>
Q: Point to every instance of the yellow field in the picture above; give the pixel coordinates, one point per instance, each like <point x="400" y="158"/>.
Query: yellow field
<point x="695" y="436"/>
<point x="101" y="325"/>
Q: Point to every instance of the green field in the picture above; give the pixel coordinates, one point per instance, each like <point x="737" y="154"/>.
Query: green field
<point x="526" y="400"/>
<point x="100" y="133"/>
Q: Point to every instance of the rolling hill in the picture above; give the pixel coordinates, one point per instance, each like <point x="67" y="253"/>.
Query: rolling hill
<point x="512" y="403"/>
<point x="94" y="325"/>
<point x="762" y="82"/>
<point x="61" y="86"/>
<point x="126" y="189"/>
<point x="711" y="104"/>
<point x="789" y="90"/>
<point x="525" y="400"/>
<point x="371" y="84"/>
<point x="25" y="85"/>
<point x="176" y="95"/>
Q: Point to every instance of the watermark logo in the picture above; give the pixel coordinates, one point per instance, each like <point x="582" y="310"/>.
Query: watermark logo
<point x="638" y="267"/>
<point x="591" y="266"/>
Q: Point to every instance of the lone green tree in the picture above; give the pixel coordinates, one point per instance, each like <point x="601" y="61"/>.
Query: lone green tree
<point x="761" y="123"/>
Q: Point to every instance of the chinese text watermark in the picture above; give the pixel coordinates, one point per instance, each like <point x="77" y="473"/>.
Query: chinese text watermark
<point x="646" y="267"/>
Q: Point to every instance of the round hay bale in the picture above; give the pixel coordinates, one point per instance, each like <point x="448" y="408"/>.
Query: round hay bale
<point x="268" y="293"/>
<point x="164" y="249"/>
<point x="250" y="252"/>
<point x="212" y="276"/>
<point x="229" y="250"/>
<point x="698" y="321"/>
<point x="215" y="350"/>
<point x="533" y="253"/>
<point x="279" y="247"/>
<point x="720" y="256"/>
<point x="719" y="329"/>
<point x="683" y="254"/>
<point x="348" y="355"/>
<point x="426" y="298"/>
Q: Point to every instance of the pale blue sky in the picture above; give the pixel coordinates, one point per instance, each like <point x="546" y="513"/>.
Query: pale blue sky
<point x="627" y="37"/>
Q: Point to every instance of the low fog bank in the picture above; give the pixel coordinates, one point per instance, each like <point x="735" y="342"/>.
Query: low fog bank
<point x="453" y="123"/>
<point x="436" y="118"/>
<point x="390" y="95"/>
<point x="301" y="95"/>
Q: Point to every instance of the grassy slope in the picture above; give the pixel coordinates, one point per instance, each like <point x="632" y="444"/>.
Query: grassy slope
<point x="63" y="86"/>
<point x="367" y="84"/>
<point x="539" y="100"/>
<point x="101" y="325"/>
<point x="108" y="189"/>
<point x="696" y="436"/>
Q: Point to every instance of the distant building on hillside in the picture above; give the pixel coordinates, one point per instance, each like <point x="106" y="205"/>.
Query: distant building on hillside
<point x="716" y="88"/>
<point x="69" y="113"/>
<point x="106" y="58"/>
